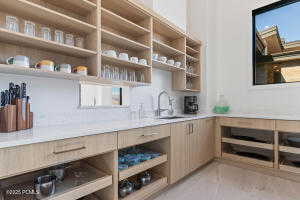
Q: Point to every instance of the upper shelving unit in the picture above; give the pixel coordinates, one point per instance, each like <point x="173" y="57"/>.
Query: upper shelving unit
<point x="119" y="25"/>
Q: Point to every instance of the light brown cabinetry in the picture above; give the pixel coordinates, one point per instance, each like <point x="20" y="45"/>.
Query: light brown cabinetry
<point x="192" y="146"/>
<point x="22" y="159"/>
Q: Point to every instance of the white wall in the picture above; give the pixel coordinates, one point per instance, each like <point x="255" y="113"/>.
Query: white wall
<point x="173" y="10"/>
<point x="234" y="63"/>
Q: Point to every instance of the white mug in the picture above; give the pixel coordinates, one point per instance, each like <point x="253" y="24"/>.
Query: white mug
<point x="22" y="61"/>
<point x="66" y="68"/>
<point x="143" y="61"/>
<point x="163" y="59"/>
<point x="155" y="56"/>
<point x="171" y="62"/>
<point x="124" y="56"/>
<point x="111" y="53"/>
<point x="134" y="59"/>
<point x="178" y="64"/>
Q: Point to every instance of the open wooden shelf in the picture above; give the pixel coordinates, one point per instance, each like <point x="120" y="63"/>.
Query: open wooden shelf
<point x="166" y="49"/>
<point x="82" y="7"/>
<point x="289" y="168"/>
<point x="165" y="66"/>
<point x="121" y="24"/>
<point x="72" y="187"/>
<point x="190" y="90"/>
<point x="287" y="149"/>
<point x="191" y="59"/>
<point x="192" y="75"/>
<point x="191" y="51"/>
<point x="124" y="63"/>
<point x="243" y="159"/>
<point x="248" y="143"/>
<point x="120" y="41"/>
<point x="124" y="174"/>
<point x="158" y="183"/>
<point x="10" y="69"/>
<point x="44" y="15"/>
<point x="39" y="43"/>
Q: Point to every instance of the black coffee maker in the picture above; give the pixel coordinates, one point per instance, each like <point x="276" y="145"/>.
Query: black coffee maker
<point x="191" y="105"/>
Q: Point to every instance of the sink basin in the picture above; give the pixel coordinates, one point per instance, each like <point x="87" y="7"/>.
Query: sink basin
<point x="171" y="117"/>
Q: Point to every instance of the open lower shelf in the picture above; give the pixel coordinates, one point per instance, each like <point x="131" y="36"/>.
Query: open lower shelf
<point x="248" y="160"/>
<point x="120" y="41"/>
<point x="165" y="66"/>
<point x="191" y="59"/>
<point x="43" y="15"/>
<point x="142" y="167"/>
<point x="124" y="63"/>
<point x="166" y="49"/>
<point x="119" y="23"/>
<point x="39" y="43"/>
<point x="248" y="143"/>
<point x="158" y="183"/>
<point x="287" y="149"/>
<point x="71" y="187"/>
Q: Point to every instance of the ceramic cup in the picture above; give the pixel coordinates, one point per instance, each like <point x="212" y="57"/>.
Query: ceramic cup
<point x="124" y="56"/>
<point x="171" y="62"/>
<point x="111" y="53"/>
<point x="134" y="59"/>
<point x="163" y="59"/>
<point x="178" y="64"/>
<point x="45" y="65"/>
<point x="155" y="56"/>
<point x="143" y="61"/>
<point x="22" y="61"/>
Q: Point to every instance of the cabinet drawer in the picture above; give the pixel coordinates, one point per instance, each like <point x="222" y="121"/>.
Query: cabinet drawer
<point x="142" y="135"/>
<point x="288" y="126"/>
<point x="22" y="159"/>
<point x="264" y="124"/>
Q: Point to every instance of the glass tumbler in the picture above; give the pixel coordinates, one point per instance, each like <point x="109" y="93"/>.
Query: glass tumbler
<point x="29" y="28"/>
<point x="70" y="39"/>
<point x="79" y="42"/>
<point x="46" y="33"/>
<point x="59" y="36"/>
<point x="12" y="23"/>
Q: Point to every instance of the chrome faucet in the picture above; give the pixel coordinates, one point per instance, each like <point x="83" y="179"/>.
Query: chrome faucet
<point x="159" y="110"/>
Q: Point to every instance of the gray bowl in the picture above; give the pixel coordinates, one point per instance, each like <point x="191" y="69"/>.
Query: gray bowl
<point x="294" y="141"/>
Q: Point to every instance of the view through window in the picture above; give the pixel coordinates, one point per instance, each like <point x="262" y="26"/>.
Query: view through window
<point x="277" y="43"/>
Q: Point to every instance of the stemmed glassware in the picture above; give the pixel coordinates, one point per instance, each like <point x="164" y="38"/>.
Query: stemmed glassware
<point x="122" y="73"/>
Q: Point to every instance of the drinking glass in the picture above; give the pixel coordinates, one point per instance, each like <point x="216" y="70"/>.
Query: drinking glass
<point x="79" y="41"/>
<point x="70" y="39"/>
<point x="116" y="73"/>
<point x="59" y="36"/>
<point x="124" y="74"/>
<point x="46" y="33"/>
<point x="12" y="23"/>
<point x="29" y="28"/>
<point x="132" y="76"/>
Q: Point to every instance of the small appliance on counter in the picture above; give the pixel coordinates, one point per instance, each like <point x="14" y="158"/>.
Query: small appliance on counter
<point x="15" y="114"/>
<point x="191" y="105"/>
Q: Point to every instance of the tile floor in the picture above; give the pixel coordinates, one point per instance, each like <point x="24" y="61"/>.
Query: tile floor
<point x="225" y="182"/>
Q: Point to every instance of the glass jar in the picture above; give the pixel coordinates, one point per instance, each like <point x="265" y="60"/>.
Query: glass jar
<point x="222" y="106"/>
<point x="79" y="42"/>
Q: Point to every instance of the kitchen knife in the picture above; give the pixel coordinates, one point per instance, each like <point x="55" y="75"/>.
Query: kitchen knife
<point x="2" y="99"/>
<point x="23" y="97"/>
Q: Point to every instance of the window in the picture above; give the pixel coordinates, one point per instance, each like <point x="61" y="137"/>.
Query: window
<point x="276" y="43"/>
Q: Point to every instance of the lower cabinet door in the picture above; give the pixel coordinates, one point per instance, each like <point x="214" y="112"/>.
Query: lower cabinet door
<point x="179" y="159"/>
<point x="207" y="140"/>
<point x="194" y="142"/>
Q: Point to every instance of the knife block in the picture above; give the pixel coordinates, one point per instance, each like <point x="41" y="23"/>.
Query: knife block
<point x="8" y="118"/>
<point x="21" y="123"/>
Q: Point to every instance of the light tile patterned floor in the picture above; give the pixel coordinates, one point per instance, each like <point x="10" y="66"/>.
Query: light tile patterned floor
<point x="224" y="182"/>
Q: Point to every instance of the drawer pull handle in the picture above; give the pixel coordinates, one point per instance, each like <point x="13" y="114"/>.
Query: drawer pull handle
<point x="70" y="150"/>
<point x="150" y="134"/>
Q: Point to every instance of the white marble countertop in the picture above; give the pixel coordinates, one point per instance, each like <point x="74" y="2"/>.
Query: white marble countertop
<point x="47" y="134"/>
<point x="52" y="133"/>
